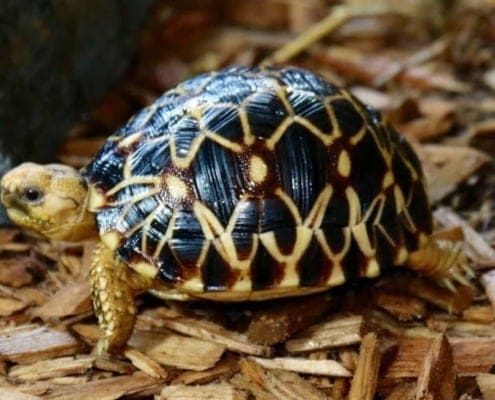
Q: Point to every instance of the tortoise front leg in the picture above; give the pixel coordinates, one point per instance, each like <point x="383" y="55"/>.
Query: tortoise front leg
<point x="113" y="289"/>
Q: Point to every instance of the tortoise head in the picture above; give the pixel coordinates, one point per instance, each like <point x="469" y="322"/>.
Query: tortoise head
<point x="49" y="199"/>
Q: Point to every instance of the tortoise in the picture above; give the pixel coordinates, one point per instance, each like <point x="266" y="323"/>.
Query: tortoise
<point x="247" y="183"/>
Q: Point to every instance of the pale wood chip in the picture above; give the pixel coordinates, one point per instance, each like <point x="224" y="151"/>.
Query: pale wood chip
<point x="52" y="368"/>
<point x="145" y="363"/>
<point x="474" y="241"/>
<point x="486" y="383"/>
<point x="69" y="300"/>
<point x="31" y="296"/>
<point x="258" y="391"/>
<point x="446" y="166"/>
<point x="89" y="332"/>
<point x="223" y="370"/>
<point x="215" y="333"/>
<point x="481" y="314"/>
<point x="339" y="331"/>
<point x="204" y="392"/>
<point x="106" y="389"/>
<point x="437" y="377"/>
<point x="471" y="356"/>
<point x="280" y="384"/>
<point x="304" y="366"/>
<point x="365" y="378"/>
<point x="11" y="394"/>
<point x="171" y="349"/>
<point x="113" y="365"/>
<point x="70" y="380"/>
<point x="488" y="282"/>
<point x="9" y="306"/>
<point x="36" y="343"/>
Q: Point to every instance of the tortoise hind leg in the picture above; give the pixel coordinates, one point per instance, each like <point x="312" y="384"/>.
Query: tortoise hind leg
<point x="443" y="261"/>
<point x="113" y="289"/>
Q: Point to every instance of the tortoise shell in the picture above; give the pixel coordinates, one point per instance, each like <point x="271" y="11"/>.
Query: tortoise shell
<point x="267" y="181"/>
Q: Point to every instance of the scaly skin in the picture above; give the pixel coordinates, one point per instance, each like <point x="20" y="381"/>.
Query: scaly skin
<point x="113" y="289"/>
<point x="52" y="200"/>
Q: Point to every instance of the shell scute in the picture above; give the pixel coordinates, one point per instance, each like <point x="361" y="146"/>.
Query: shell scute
<point x="254" y="179"/>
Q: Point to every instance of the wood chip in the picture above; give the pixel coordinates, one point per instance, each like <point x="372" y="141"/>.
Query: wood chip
<point x="488" y="282"/>
<point x="176" y="350"/>
<point x="144" y="363"/>
<point x="486" y="383"/>
<point x="471" y="355"/>
<point x="55" y="367"/>
<point x="205" y="392"/>
<point x="402" y="307"/>
<point x="304" y="365"/>
<point x="481" y="314"/>
<point x="10" y="306"/>
<point x="339" y="331"/>
<point x="280" y="384"/>
<point x="106" y="389"/>
<point x="446" y="166"/>
<point x="217" y="334"/>
<point x="224" y="369"/>
<point x="482" y="250"/>
<point x="437" y="377"/>
<point x="441" y="297"/>
<point x="276" y="324"/>
<point x="36" y="343"/>
<point x="364" y="382"/>
<point x="10" y="394"/>
<point x="69" y="300"/>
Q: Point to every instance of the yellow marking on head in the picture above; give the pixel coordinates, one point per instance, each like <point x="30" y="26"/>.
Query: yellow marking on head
<point x="344" y="164"/>
<point x="111" y="239"/>
<point x="354" y="206"/>
<point x="290" y="205"/>
<point x="145" y="269"/>
<point x="176" y="187"/>
<point x="210" y="225"/>
<point x="317" y="212"/>
<point x="361" y="235"/>
<point x="388" y="180"/>
<point x="258" y="169"/>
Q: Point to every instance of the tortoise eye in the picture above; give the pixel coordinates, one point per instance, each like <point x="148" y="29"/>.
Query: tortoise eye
<point x="32" y="195"/>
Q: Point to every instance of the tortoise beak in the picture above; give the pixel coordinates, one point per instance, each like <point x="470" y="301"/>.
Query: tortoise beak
<point x="7" y="197"/>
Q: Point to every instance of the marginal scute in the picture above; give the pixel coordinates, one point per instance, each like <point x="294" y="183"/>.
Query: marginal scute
<point x="255" y="183"/>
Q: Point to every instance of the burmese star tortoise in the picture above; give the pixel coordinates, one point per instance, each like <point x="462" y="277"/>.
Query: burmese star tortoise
<point x="241" y="184"/>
